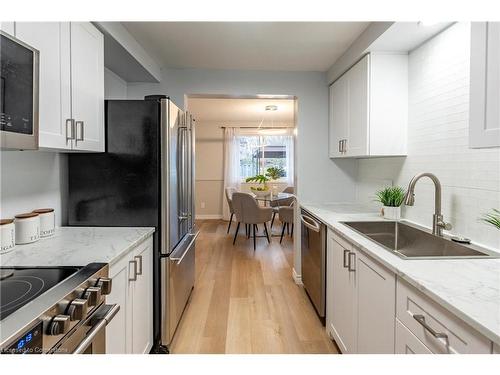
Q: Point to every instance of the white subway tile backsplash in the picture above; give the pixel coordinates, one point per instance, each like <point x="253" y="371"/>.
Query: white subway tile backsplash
<point x="438" y="75"/>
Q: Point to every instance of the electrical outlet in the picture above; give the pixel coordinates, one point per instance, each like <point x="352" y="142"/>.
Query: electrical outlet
<point x="202" y="205"/>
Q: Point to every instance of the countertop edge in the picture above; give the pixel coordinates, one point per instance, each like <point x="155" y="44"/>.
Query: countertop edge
<point x="351" y="236"/>
<point x="131" y="246"/>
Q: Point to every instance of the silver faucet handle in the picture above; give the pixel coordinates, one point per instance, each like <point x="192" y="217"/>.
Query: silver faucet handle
<point x="444" y="225"/>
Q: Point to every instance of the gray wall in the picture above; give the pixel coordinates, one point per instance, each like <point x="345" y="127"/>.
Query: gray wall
<point x="319" y="179"/>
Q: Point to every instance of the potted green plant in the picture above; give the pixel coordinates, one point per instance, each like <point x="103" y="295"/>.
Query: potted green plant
<point x="391" y="198"/>
<point x="261" y="189"/>
<point x="275" y="173"/>
<point x="492" y="218"/>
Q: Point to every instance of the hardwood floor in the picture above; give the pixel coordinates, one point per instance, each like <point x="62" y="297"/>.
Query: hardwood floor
<point x="246" y="301"/>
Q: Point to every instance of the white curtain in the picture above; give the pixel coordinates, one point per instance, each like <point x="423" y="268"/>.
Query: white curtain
<point x="289" y="158"/>
<point x="231" y="166"/>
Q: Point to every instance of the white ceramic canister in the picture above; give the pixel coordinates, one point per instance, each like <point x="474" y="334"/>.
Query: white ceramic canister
<point x="27" y="228"/>
<point x="8" y="233"/>
<point x="47" y="221"/>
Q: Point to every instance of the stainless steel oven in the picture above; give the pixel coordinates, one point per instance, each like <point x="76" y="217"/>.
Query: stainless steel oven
<point x="313" y="255"/>
<point x="18" y="94"/>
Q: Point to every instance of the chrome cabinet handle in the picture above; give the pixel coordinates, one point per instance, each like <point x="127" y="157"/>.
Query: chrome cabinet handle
<point x="340" y="146"/>
<point x="352" y="256"/>
<point x="139" y="258"/>
<point x="70" y="134"/>
<point x="346" y="259"/>
<point x="421" y="319"/>
<point x="81" y="137"/>
<point x="133" y="278"/>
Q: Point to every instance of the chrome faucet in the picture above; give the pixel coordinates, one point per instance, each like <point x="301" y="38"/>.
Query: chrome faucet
<point x="438" y="223"/>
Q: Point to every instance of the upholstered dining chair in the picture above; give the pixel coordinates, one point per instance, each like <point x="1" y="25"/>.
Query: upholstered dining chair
<point x="229" y="198"/>
<point x="286" y="218"/>
<point x="248" y="212"/>
<point x="282" y="203"/>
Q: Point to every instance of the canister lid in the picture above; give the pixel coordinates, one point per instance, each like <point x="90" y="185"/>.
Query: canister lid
<point x="6" y="221"/>
<point x="26" y="215"/>
<point x="43" y="210"/>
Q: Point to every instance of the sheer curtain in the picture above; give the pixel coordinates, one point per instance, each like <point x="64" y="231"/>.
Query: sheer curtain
<point x="289" y="158"/>
<point x="231" y="166"/>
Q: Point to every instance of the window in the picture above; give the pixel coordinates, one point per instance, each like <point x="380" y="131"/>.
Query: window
<point x="260" y="152"/>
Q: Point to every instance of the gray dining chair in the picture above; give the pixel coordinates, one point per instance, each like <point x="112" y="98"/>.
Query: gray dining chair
<point x="286" y="218"/>
<point x="282" y="203"/>
<point x="229" y="197"/>
<point x="248" y="212"/>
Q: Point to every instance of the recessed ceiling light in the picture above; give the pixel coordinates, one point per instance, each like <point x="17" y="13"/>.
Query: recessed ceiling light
<point x="271" y="107"/>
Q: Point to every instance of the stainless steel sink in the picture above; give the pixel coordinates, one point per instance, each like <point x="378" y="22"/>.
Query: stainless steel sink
<point x="410" y="242"/>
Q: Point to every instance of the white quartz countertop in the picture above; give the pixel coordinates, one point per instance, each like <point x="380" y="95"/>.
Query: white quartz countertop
<point x="469" y="288"/>
<point x="77" y="246"/>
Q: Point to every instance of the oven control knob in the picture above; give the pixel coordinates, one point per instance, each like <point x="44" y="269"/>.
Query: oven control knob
<point x="93" y="295"/>
<point x="77" y="309"/>
<point x="105" y="284"/>
<point x="59" y="325"/>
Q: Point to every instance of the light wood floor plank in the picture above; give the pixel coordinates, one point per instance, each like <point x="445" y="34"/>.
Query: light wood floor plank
<point x="246" y="301"/>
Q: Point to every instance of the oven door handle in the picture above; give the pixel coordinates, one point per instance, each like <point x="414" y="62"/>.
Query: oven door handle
<point x="97" y="328"/>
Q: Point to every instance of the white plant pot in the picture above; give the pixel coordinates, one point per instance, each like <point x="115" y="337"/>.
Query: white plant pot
<point x="392" y="213"/>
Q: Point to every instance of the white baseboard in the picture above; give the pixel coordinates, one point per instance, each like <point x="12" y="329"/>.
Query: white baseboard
<point x="208" y="217"/>
<point x="297" y="278"/>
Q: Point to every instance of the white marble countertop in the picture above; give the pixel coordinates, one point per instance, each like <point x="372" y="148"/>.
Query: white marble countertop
<point x="469" y="288"/>
<point x="77" y="246"/>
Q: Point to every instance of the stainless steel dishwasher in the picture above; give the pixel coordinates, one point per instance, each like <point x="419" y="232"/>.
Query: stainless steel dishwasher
<point x="313" y="253"/>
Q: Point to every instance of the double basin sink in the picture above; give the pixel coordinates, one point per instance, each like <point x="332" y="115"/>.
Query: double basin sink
<point x="410" y="242"/>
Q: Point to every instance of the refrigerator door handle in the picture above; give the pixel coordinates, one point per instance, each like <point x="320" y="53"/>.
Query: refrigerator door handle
<point x="179" y="259"/>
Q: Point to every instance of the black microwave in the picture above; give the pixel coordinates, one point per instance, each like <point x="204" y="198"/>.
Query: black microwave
<point x="18" y="94"/>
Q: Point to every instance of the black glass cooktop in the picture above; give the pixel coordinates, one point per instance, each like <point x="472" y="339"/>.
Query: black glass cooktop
<point x="20" y="285"/>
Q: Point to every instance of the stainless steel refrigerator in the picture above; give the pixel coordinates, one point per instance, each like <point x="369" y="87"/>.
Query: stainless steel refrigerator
<point x="145" y="178"/>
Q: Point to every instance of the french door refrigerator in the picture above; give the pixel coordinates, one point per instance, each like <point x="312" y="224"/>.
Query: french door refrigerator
<point x="145" y="178"/>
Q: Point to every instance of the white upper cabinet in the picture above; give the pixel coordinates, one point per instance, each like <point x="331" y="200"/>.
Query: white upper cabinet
<point x="484" y="121"/>
<point x="369" y="108"/>
<point x="87" y="86"/>
<point x="52" y="40"/>
<point x="71" y="84"/>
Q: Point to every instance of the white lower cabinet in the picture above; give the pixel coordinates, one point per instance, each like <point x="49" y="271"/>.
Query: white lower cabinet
<point x="376" y="288"/>
<point x="340" y="289"/>
<point x="407" y="342"/>
<point x="370" y="310"/>
<point x="360" y="300"/>
<point x="436" y="327"/>
<point x="131" y="331"/>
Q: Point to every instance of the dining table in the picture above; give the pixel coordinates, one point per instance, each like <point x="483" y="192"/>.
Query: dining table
<point x="267" y="199"/>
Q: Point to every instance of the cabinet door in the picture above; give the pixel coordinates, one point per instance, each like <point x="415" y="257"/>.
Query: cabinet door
<point x="87" y="86"/>
<point x="407" y="343"/>
<point x="338" y="120"/>
<point x="484" y="123"/>
<point x="358" y="80"/>
<point x="119" y="330"/>
<point x="376" y="290"/>
<point x="142" y="289"/>
<point x="341" y="293"/>
<point x="52" y="40"/>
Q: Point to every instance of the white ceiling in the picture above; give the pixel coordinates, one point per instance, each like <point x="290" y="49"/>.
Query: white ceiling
<point x="406" y="36"/>
<point x="285" y="46"/>
<point x="227" y="111"/>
